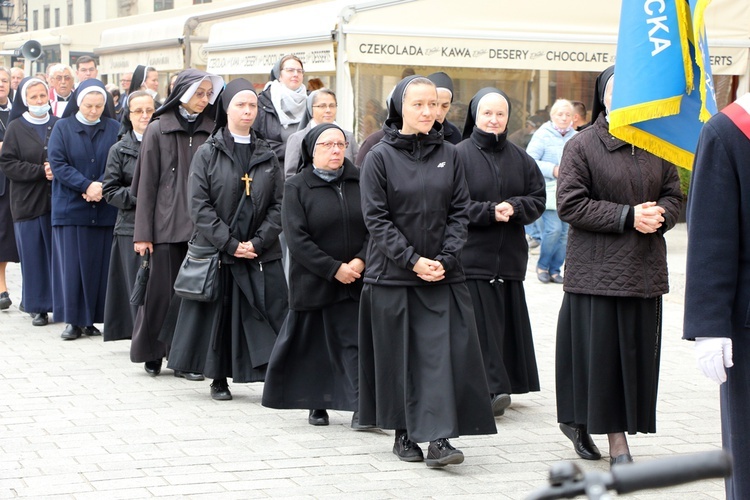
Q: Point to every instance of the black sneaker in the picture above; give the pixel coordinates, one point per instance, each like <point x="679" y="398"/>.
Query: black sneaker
<point x="5" y="301"/>
<point x="406" y="449"/>
<point x="440" y="453"/>
<point x="220" y="390"/>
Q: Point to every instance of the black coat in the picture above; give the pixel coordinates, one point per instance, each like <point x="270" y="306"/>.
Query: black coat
<point x="161" y="175"/>
<point x="267" y="124"/>
<point x="601" y="179"/>
<point x="118" y="176"/>
<point x="498" y="171"/>
<point x="324" y="227"/>
<point x="415" y="202"/>
<point x="22" y="160"/>
<point x="215" y="188"/>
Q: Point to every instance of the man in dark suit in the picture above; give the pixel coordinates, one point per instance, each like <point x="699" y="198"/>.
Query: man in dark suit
<point x="717" y="290"/>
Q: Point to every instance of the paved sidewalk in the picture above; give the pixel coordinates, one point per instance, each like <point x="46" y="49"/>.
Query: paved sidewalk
<point x="78" y="420"/>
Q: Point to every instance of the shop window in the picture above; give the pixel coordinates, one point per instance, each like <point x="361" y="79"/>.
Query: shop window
<point x="163" y="5"/>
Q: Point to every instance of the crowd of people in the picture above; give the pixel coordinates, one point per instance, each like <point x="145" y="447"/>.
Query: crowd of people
<point x="384" y="279"/>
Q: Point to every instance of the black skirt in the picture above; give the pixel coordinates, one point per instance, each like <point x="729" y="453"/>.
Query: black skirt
<point x="314" y="364"/>
<point x="119" y="313"/>
<point x="420" y="362"/>
<point x="607" y="362"/>
<point x="234" y="335"/>
<point x="505" y="336"/>
<point x="8" y="249"/>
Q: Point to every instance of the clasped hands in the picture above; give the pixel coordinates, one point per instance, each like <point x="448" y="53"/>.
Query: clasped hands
<point x="93" y="192"/>
<point x="245" y="250"/>
<point x="503" y="212"/>
<point x="350" y="271"/>
<point x="429" y="270"/>
<point x="648" y="217"/>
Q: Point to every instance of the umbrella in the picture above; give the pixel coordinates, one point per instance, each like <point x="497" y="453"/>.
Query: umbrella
<point x="141" y="280"/>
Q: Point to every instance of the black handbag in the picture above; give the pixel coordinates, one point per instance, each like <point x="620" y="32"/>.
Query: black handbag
<point x="198" y="277"/>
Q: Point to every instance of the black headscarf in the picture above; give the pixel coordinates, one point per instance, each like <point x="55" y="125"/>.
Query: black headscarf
<point x="19" y="107"/>
<point x="471" y="116"/>
<point x="442" y="81"/>
<point x="232" y="89"/>
<point x="601" y="84"/>
<point x="396" y="103"/>
<point x="139" y="76"/>
<point x="185" y="79"/>
<point x="308" y="143"/>
<point x="73" y="106"/>
<point x="125" y="124"/>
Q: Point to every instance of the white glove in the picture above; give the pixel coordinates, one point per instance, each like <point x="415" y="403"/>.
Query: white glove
<point x="713" y="355"/>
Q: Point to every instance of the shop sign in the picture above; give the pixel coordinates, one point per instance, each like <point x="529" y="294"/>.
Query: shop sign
<point x="316" y="58"/>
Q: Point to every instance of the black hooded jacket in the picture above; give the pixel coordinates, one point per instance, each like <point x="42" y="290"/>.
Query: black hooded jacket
<point x="215" y="188"/>
<point x="415" y="202"/>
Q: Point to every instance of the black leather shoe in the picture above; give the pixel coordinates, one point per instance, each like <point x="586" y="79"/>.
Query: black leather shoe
<point x="40" y="319"/>
<point x="71" y="332"/>
<point x="500" y="403"/>
<point x="582" y="443"/>
<point x="153" y="368"/>
<point x="440" y="453"/>
<point x="220" y="390"/>
<point x="5" y="301"/>
<point x="407" y="450"/>
<point x="195" y="377"/>
<point x="318" y="417"/>
<point x="357" y="426"/>
<point x="619" y="460"/>
<point x="91" y="331"/>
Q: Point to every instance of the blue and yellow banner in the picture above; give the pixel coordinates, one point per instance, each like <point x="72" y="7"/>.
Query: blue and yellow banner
<point x="663" y="90"/>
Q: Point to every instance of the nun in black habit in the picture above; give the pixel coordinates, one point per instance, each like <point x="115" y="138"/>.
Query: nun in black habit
<point x="420" y="361"/>
<point x="118" y="177"/>
<point x="235" y="173"/>
<point x="507" y="192"/>
<point x="8" y="250"/>
<point x="24" y="162"/>
<point x="314" y="364"/>
<point x="162" y="223"/>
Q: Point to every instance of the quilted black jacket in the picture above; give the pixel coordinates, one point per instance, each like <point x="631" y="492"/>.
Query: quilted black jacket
<point x="601" y="178"/>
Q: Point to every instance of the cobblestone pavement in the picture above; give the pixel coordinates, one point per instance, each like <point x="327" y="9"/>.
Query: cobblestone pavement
<point x="79" y="420"/>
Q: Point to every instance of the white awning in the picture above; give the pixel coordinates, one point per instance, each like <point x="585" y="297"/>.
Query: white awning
<point x="170" y="40"/>
<point x="545" y="34"/>
<point x="251" y="46"/>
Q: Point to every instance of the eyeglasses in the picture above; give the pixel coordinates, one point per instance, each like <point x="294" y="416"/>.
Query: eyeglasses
<point x="330" y="144"/>
<point x="200" y="94"/>
<point x="325" y="106"/>
<point x="147" y="111"/>
<point x="60" y="78"/>
<point x="299" y="71"/>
